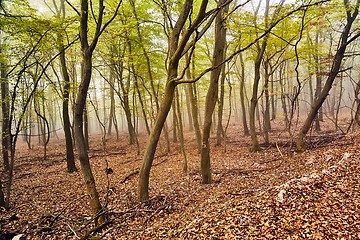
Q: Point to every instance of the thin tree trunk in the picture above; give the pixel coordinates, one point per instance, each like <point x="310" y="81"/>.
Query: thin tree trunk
<point x="181" y="132"/>
<point x="174" y="120"/>
<point x="318" y="81"/>
<point x="242" y="96"/>
<point x="112" y="102"/>
<point x="189" y="110"/>
<point x="70" y="158"/>
<point x="266" y="114"/>
<point x="220" y="128"/>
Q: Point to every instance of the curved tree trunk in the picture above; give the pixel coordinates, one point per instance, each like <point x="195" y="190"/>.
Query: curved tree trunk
<point x="86" y="68"/>
<point x="144" y="174"/>
<point x="335" y="68"/>
<point x="176" y="49"/>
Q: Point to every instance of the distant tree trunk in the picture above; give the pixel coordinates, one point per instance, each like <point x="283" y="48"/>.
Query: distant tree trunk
<point x="242" y="96"/>
<point x="220" y="128"/>
<point x="112" y="103"/>
<point x="174" y="119"/>
<point x="273" y="100"/>
<point x="45" y="134"/>
<point x="212" y="94"/>
<point x="335" y="68"/>
<point x="266" y="115"/>
<point x="86" y="126"/>
<point x="194" y="113"/>
<point x="70" y="158"/>
<point x="284" y="97"/>
<point x="141" y="101"/>
<point x="5" y="109"/>
<point x="318" y="81"/>
<point x="181" y="132"/>
<point x="188" y="109"/>
<point x="254" y="99"/>
<point x="338" y="103"/>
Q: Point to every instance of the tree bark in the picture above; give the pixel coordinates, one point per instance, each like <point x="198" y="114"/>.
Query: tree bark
<point x="70" y="158"/>
<point x="153" y="139"/>
<point x="86" y="68"/>
<point x="212" y="94"/>
<point x="5" y="107"/>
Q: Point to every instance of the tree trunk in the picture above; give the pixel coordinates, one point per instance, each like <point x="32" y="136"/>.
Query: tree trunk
<point x="266" y="114"/>
<point x="176" y="49"/>
<point x="86" y="68"/>
<point x="153" y="139"/>
<point x="181" y="132"/>
<point x="220" y="129"/>
<point x="112" y="102"/>
<point x="212" y="94"/>
<point x="2" y="198"/>
<point x="70" y="158"/>
<point x="357" y="103"/>
<point x="335" y="68"/>
<point x="189" y="110"/>
<point x="254" y="99"/>
<point x="318" y="81"/>
<point x="5" y="107"/>
<point x="174" y="120"/>
<point x="194" y="106"/>
<point x="242" y="96"/>
<point x="86" y="126"/>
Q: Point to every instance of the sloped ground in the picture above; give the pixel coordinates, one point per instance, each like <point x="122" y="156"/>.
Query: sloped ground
<point x="271" y="194"/>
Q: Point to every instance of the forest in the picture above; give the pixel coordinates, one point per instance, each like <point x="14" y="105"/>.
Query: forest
<point x="188" y="119"/>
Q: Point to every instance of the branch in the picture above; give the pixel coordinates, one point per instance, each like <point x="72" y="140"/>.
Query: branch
<point x="179" y="80"/>
<point x="77" y="12"/>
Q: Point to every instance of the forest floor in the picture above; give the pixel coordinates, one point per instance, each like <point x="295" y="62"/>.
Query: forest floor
<point x="271" y="194"/>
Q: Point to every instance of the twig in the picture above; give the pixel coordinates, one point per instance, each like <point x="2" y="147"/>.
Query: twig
<point x="63" y="210"/>
<point x="95" y="230"/>
<point x="127" y="177"/>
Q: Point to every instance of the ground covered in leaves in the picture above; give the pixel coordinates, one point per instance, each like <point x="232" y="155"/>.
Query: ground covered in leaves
<point x="272" y="194"/>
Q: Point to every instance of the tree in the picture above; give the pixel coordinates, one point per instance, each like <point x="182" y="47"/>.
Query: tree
<point x="70" y="158"/>
<point x="257" y="64"/>
<point x="87" y="49"/>
<point x="212" y="94"/>
<point x="177" y="48"/>
<point x="346" y="38"/>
